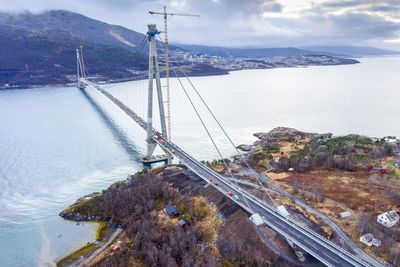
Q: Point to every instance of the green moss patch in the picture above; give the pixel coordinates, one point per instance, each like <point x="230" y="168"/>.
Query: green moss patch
<point x="103" y="232"/>
<point x="82" y="252"/>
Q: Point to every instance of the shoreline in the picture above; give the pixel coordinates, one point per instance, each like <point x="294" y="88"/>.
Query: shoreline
<point x="319" y="207"/>
<point x="106" y="229"/>
<point x="203" y="210"/>
<point x="227" y="72"/>
<point x="104" y="236"/>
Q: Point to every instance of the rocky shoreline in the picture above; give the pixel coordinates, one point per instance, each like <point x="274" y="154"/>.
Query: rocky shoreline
<point x="285" y="148"/>
<point x="235" y="226"/>
<point x="71" y="215"/>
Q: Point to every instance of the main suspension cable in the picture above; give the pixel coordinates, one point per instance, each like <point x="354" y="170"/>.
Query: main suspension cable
<point x="223" y="129"/>
<point x="208" y="132"/>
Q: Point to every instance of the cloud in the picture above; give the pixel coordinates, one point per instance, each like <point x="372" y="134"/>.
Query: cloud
<point x="248" y="22"/>
<point x="341" y="4"/>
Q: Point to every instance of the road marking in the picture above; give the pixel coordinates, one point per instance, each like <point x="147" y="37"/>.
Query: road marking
<point x="326" y="255"/>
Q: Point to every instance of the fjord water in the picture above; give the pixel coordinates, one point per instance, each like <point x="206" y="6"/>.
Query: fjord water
<point x="58" y="144"/>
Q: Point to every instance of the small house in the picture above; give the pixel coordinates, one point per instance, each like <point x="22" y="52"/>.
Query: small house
<point x="345" y="214"/>
<point x="383" y="169"/>
<point x="282" y="211"/>
<point x="256" y="219"/>
<point x="376" y="242"/>
<point x="171" y="211"/>
<point x="370" y="240"/>
<point x="389" y="218"/>
<point x="351" y="143"/>
<point x="182" y="222"/>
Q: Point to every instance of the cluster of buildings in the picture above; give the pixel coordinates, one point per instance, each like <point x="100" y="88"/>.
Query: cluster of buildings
<point x="387" y="219"/>
<point x="173" y="212"/>
<point x="370" y="240"/>
<point x="384" y="169"/>
<point x="232" y="64"/>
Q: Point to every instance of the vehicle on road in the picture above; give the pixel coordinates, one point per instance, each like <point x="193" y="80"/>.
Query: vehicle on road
<point x="216" y="183"/>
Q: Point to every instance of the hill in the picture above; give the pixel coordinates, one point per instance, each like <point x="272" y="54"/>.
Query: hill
<point x="227" y="52"/>
<point x="48" y="57"/>
<point x="335" y="51"/>
<point x="40" y="49"/>
<point x="77" y="25"/>
<point x="353" y="51"/>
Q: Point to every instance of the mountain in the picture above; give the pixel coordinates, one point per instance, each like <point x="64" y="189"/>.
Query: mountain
<point x="40" y="49"/>
<point x="353" y="51"/>
<point x="77" y="25"/>
<point x="48" y="56"/>
<point x="248" y="52"/>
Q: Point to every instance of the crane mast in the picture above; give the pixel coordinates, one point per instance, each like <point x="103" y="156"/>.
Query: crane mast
<point x="167" y="69"/>
<point x="166" y="47"/>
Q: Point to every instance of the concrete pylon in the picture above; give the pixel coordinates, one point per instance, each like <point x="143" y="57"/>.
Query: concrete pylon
<point x="154" y="72"/>
<point x="79" y="69"/>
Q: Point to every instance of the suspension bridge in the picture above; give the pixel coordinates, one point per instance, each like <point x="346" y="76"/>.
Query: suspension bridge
<point x="311" y="242"/>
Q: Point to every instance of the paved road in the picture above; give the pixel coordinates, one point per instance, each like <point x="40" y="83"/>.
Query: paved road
<point x="321" y="248"/>
<point x="360" y="252"/>
<point x="87" y="261"/>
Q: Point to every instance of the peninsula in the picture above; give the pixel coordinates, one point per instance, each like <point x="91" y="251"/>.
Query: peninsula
<point x="337" y="186"/>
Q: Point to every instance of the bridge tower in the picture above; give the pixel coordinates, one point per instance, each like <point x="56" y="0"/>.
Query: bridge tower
<point x="154" y="72"/>
<point x="80" y="73"/>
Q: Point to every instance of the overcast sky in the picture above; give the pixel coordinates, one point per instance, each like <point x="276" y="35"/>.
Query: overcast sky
<point x="261" y="23"/>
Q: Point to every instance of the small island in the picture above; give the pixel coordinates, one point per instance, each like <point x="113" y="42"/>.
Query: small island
<point x="335" y="185"/>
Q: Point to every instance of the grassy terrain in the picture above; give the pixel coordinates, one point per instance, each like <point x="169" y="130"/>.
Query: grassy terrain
<point x="103" y="232"/>
<point x="139" y="206"/>
<point x="310" y="151"/>
<point x="76" y="255"/>
<point x="334" y="174"/>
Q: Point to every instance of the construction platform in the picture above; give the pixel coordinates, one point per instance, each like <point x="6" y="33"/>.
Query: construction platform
<point x="155" y="159"/>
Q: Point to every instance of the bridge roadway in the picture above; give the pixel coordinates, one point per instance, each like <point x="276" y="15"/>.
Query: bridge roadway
<point x="316" y="245"/>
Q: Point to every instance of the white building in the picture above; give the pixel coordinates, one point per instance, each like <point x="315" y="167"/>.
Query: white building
<point x="256" y="219"/>
<point x="345" y="214"/>
<point x="370" y="240"/>
<point x="282" y="211"/>
<point x="389" y="218"/>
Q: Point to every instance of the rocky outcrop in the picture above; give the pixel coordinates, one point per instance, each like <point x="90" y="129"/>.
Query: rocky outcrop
<point x="77" y="217"/>
<point x="283" y="134"/>
<point x="244" y="147"/>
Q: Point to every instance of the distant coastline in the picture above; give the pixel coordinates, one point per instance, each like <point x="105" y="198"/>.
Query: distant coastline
<point x="196" y="71"/>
